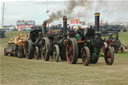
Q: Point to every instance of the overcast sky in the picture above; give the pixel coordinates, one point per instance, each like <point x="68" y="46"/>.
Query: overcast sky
<point x="111" y="10"/>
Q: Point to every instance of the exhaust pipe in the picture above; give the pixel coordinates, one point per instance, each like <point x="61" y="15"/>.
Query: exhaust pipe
<point x="65" y="25"/>
<point x="44" y="30"/>
<point x="97" y="20"/>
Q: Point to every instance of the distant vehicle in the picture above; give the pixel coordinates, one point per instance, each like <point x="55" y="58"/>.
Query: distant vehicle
<point x="107" y="29"/>
<point x="2" y="33"/>
<point x="125" y="30"/>
<point x="111" y="27"/>
<point x="75" y="26"/>
<point x="27" y="29"/>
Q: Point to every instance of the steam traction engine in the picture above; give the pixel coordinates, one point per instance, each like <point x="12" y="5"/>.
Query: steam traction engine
<point x="33" y="44"/>
<point x="47" y="43"/>
<point x="59" y="50"/>
<point x="96" y="43"/>
<point x="67" y="48"/>
<point x="53" y="44"/>
<point x="89" y="47"/>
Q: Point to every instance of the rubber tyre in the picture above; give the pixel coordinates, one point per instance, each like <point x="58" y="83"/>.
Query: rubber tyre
<point x="86" y="56"/>
<point x="109" y="56"/>
<point x="56" y="53"/>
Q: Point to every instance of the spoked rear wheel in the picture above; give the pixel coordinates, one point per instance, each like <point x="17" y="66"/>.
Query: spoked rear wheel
<point x="86" y="56"/>
<point x="109" y="56"/>
<point x="71" y="50"/>
<point x="56" y="53"/>
<point x="30" y="50"/>
<point x="45" y="49"/>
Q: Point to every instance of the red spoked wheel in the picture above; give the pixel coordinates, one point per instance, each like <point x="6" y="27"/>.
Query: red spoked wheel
<point x="71" y="50"/>
<point x="109" y="56"/>
<point x="86" y="56"/>
<point x="56" y="53"/>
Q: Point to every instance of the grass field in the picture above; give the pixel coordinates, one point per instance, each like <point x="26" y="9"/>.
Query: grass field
<point x="21" y="71"/>
<point x="124" y="37"/>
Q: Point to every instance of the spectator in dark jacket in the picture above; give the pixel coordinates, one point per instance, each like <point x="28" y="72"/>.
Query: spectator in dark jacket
<point x="72" y="32"/>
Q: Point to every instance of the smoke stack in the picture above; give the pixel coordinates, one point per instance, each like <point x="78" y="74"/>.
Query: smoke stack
<point x="97" y="20"/>
<point x="65" y="24"/>
<point x="44" y="27"/>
